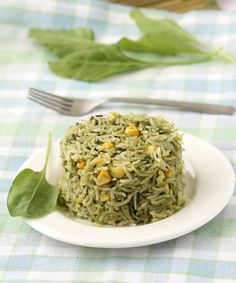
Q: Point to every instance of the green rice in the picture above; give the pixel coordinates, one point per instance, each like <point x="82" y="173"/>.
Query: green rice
<point x="151" y="184"/>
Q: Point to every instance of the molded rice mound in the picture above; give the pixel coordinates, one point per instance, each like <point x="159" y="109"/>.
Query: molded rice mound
<point x="122" y="169"/>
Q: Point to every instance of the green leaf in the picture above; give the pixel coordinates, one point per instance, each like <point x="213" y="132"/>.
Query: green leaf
<point x="81" y="58"/>
<point x="63" y="42"/>
<point x="98" y="64"/>
<point x="165" y="36"/>
<point x="94" y="65"/>
<point x="30" y="194"/>
<point x="161" y="43"/>
<point x="150" y="26"/>
<point x="168" y="38"/>
<point x="161" y="36"/>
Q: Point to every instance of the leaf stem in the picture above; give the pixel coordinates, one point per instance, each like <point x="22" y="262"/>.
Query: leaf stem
<point x="48" y="151"/>
<point x="220" y="53"/>
<point x="224" y="55"/>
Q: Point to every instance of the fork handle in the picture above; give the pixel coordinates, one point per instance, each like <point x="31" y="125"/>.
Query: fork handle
<point x="183" y="105"/>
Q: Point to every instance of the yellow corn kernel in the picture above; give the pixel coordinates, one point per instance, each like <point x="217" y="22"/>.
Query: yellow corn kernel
<point x="132" y="131"/>
<point x="81" y="164"/>
<point x="169" y="173"/>
<point x="117" y="172"/>
<point x="100" y="162"/>
<point x="151" y="148"/>
<point x="79" y="199"/>
<point x="107" y="145"/>
<point x="105" y="197"/>
<point x="111" y="117"/>
<point x="103" y="178"/>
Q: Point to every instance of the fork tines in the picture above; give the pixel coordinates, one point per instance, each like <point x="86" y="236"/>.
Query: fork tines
<point x="52" y="101"/>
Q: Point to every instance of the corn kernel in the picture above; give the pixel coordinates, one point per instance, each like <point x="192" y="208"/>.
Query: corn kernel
<point x="107" y="145"/>
<point x="111" y="117"/>
<point x="117" y="172"/>
<point x="151" y="148"/>
<point x="79" y="199"/>
<point x="105" y="197"/>
<point x="169" y="173"/>
<point x="103" y="178"/>
<point x="100" y="162"/>
<point x="132" y="131"/>
<point x="81" y="164"/>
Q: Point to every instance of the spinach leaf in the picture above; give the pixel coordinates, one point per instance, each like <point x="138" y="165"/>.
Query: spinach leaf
<point x="30" y="194"/>
<point x="164" y="43"/>
<point x="162" y="36"/>
<point x="165" y="36"/>
<point x="62" y="42"/>
<point x="164" y="26"/>
<point x="83" y="59"/>
<point x="94" y="65"/>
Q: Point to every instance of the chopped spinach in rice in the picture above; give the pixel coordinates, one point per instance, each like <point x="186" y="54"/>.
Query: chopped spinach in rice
<point x="122" y="169"/>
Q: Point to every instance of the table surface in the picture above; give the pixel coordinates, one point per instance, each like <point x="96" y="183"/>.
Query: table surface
<point x="205" y="255"/>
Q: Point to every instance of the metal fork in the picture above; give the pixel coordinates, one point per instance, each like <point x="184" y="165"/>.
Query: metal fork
<point x="78" y="107"/>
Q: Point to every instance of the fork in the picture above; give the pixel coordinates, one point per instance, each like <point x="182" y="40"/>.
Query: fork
<point x="78" y="107"/>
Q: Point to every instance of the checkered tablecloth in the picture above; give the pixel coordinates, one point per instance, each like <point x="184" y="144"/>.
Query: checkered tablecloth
<point x="206" y="255"/>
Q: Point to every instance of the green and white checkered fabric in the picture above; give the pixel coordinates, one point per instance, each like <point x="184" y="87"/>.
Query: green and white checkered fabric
<point x="206" y="255"/>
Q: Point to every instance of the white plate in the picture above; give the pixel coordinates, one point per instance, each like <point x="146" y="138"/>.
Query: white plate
<point x="210" y="184"/>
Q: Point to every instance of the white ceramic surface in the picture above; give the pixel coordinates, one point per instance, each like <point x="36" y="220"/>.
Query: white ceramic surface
<point x="209" y="180"/>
